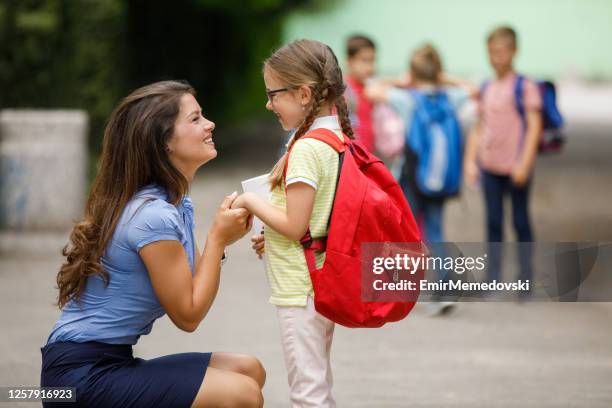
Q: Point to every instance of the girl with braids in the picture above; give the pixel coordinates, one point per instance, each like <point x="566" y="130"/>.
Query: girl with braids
<point x="133" y="259"/>
<point x="304" y="84"/>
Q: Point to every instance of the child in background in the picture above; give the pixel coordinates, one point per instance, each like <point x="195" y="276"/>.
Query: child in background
<point x="304" y="83"/>
<point x="361" y="58"/>
<point x="503" y="150"/>
<point x="426" y="77"/>
<point x="444" y="96"/>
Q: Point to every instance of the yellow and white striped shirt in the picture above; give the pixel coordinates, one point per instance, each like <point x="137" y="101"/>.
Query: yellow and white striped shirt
<point x="315" y="163"/>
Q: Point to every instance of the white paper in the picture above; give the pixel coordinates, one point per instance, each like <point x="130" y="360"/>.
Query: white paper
<point x="260" y="186"/>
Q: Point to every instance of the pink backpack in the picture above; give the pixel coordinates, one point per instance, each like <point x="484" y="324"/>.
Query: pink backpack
<point x="389" y="131"/>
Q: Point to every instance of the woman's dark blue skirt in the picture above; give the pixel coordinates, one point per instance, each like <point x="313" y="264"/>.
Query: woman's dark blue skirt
<point x="108" y="375"/>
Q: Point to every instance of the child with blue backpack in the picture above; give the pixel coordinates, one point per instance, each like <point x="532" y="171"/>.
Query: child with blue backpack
<point x="433" y="152"/>
<point x="431" y="172"/>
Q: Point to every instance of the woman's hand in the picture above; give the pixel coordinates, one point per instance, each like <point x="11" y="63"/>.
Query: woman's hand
<point x="292" y="222"/>
<point x="243" y="201"/>
<point x="230" y="224"/>
<point x="258" y="244"/>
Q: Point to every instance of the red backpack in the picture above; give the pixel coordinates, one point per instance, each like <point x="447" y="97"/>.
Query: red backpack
<point x="369" y="206"/>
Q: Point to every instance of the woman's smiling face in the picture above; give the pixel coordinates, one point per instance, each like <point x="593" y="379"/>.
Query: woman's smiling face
<point x="287" y="104"/>
<point x="191" y="143"/>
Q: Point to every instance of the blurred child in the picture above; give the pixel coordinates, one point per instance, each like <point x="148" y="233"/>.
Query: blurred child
<point x="361" y="58"/>
<point x="429" y="87"/>
<point x="502" y="148"/>
<point x="304" y="83"/>
<point x="428" y="108"/>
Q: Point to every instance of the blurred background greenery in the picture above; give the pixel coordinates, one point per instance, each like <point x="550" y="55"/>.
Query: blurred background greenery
<point x="88" y="54"/>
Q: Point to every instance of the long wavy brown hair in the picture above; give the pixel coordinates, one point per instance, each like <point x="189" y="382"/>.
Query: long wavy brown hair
<point x="313" y="64"/>
<point x="133" y="155"/>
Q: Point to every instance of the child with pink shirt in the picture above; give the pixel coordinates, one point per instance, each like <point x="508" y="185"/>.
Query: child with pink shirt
<point x="502" y="148"/>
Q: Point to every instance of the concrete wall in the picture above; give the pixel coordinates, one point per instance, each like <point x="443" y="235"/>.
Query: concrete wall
<point x="43" y="156"/>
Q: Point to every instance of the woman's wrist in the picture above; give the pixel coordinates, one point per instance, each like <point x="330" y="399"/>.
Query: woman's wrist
<point x="215" y="242"/>
<point x="214" y="249"/>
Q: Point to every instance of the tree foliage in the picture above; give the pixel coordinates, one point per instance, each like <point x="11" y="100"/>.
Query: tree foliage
<point x="87" y="54"/>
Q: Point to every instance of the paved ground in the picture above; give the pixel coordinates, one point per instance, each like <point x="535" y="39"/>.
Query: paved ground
<point x="484" y="355"/>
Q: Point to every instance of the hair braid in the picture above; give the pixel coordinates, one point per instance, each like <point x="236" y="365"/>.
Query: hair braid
<point x="343" y="115"/>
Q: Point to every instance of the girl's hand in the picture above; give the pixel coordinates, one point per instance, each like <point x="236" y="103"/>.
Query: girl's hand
<point x="258" y="244"/>
<point x="241" y="201"/>
<point x="229" y="224"/>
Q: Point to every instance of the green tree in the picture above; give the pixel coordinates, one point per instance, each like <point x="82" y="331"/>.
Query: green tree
<point x="62" y="54"/>
<point x="87" y="54"/>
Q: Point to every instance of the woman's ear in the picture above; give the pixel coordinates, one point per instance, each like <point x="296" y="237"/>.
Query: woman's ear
<point x="169" y="145"/>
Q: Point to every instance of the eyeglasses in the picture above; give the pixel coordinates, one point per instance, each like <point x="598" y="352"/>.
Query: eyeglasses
<point x="274" y="92"/>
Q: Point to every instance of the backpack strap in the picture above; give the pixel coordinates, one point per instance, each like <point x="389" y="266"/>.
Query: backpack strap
<point x="310" y="247"/>
<point x="518" y="98"/>
<point x="484" y="86"/>
<point x="410" y="141"/>
<point x="329" y="137"/>
<point x="519" y="85"/>
<point x="309" y="244"/>
<point x="326" y="136"/>
<point x="419" y="103"/>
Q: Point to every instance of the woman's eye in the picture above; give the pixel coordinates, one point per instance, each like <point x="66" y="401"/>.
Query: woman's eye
<point x="195" y="119"/>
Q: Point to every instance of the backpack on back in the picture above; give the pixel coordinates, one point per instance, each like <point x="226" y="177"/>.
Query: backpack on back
<point x="552" y="138"/>
<point x="369" y="206"/>
<point x="436" y="144"/>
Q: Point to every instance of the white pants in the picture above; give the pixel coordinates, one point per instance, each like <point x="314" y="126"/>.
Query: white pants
<point x="307" y="338"/>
